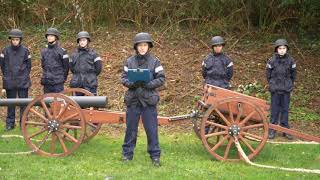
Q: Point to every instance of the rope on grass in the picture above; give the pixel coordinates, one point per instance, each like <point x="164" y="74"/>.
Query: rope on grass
<point x="275" y="142"/>
<point x="17" y="153"/>
<point x="14" y="153"/>
<point x="11" y="136"/>
<point x="247" y="160"/>
<point x="27" y="152"/>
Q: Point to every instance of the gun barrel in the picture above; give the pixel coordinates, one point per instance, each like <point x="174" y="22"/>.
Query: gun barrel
<point x="83" y="101"/>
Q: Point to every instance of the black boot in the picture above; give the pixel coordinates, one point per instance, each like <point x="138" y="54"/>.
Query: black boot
<point x="126" y="159"/>
<point x="9" y="127"/>
<point x="288" y="136"/>
<point x="156" y="162"/>
<point x="272" y="134"/>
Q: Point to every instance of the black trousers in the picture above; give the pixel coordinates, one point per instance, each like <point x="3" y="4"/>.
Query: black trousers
<point x="11" y="111"/>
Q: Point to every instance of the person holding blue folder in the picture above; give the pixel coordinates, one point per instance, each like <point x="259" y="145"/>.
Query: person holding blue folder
<point x="142" y="74"/>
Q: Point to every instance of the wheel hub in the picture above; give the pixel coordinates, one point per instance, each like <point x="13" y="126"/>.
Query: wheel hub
<point x="234" y="130"/>
<point x="53" y="125"/>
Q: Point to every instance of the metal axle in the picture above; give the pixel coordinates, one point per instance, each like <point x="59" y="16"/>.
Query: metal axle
<point x="193" y="114"/>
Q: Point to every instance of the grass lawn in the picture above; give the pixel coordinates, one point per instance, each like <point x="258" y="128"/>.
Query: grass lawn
<point x="183" y="157"/>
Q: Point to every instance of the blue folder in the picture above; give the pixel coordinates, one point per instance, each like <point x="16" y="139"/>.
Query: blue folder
<point x="135" y="75"/>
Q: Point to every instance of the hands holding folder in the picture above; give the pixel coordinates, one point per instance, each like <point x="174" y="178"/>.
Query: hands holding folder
<point x="138" y="77"/>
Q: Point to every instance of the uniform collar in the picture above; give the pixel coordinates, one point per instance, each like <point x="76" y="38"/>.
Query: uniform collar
<point x="141" y="57"/>
<point x="51" y="46"/>
<point x="15" y="48"/>
<point x="217" y="54"/>
<point x="282" y="57"/>
<point x="83" y="48"/>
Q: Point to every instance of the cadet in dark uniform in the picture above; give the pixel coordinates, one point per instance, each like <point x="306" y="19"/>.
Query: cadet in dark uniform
<point x="217" y="68"/>
<point x="85" y="65"/>
<point x="281" y="74"/>
<point x="15" y="63"/>
<point x="141" y="99"/>
<point x="54" y="62"/>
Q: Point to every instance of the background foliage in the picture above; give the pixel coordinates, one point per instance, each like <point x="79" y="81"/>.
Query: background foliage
<point x="301" y="17"/>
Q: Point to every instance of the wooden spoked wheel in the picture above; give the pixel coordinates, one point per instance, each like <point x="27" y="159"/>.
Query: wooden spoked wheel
<point x="197" y="121"/>
<point x="237" y="118"/>
<point x="45" y="122"/>
<point x="197" y="124"/>
<point x="208" y="130"/>
<point x="92" y="129"/>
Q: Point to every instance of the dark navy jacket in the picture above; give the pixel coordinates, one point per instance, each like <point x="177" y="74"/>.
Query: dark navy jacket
<point x="147" y="95"/>
<point x="55" y="65"/>
<point x="16" y="67"/>
<point x="217" y="70"/>
<point x="85" y="65"/>
<point x="281" y="73"/>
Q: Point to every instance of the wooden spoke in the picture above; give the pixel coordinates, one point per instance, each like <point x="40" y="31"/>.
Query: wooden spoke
<point x="252" y="135"/>
<point x="223" y="117"/>
<point x="70" y="117"/>
<point x="92" y="125"/>
<point x="226" y="152"/>
<point x="69" y="136"/>
<point x="53" y="143"/>
<point x="246" y="119"/>
<point x="219" y="143"/>
<point x="217" y="125"/>
<point x="71" y="126"/>
<point x="247" y="144"/>
<point x="35" y="123"/>
<point x="63" y="145"/>
<point x="216" y="134"/>
<point x="63" y="110"/>
<point x="54" y="107"/>
<point x="38" y="114"/>
<point x="45" y="107"/>
<point x="230" y="112"/>
<point x="252" y="126"/>
<point x="37" y="133"/>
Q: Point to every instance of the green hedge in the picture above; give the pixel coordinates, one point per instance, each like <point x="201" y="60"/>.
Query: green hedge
<point x="301" y="17"/>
